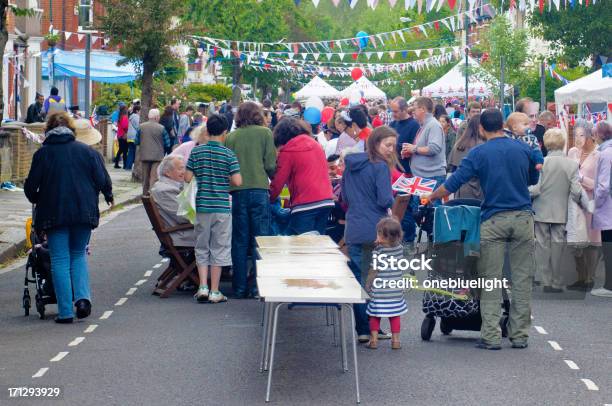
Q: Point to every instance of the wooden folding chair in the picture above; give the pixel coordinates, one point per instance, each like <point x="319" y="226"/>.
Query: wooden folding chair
<point x="180" y="267"/>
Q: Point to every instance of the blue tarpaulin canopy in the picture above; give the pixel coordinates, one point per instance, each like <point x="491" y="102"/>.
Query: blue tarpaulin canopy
<point x="103" y="66"/>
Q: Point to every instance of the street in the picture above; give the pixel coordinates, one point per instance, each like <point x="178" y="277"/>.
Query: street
<point x="138" y="349"/>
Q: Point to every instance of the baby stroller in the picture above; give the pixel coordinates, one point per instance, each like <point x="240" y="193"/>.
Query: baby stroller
<point x="457" y="309"/>
<point x="39" y="262"/>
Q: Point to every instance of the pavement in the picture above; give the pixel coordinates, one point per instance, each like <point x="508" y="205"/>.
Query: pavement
<point x="15" y="209"/>
<point x="138" y="349"/>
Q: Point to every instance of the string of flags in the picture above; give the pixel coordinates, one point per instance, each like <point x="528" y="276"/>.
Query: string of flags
<point x="555" y="75"/>
<point x="68" y="34"/>
<point x="347" y="45"/>
<point x="593" y="117"/>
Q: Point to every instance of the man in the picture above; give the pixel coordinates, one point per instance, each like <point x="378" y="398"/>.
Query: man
<point x="528" y="106"/>
<point x="164" y="193"/>
<point x="505" y="169"/>
<point x="474" y="108"/>
<point x="546" y="121"/>
<point x="253" y="144"/>
<point x="406" y="127"/>
<point x="428" y="151"/>
<point x="54" y="102"/>
<point x="153" y="140"/>
<point x="175" y="104"/>
<point x="36" y="113"/>
<point x="74" y="112"/>
<point x="185" y="122"/>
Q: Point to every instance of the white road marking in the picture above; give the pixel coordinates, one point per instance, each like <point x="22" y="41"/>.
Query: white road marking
<point x="91" y="328"/>
<point x="157" y="266"/>
<point x="571" y="364"/>
<point x="121" y="301"/>
<point x="60" y="356"/>
<point x="106" y="315"/>
<point x="540" y="329"/>
<point x="148" y="273"/>
<point x="140" y="282"/>
<point x="76" y="341"/>
<point x="165" y="260"/>
<point x="555" y="346"/>
<point x="130" y="291"/>
<point x="40" y="372"/>
<point x="590" y="384"/>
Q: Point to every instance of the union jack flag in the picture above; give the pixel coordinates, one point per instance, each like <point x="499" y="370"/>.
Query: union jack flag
<point x="93" y="118"/>
<point x="414" y="186"/>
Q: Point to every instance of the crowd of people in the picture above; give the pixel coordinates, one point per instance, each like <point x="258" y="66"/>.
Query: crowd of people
<point x="262" y="169"/>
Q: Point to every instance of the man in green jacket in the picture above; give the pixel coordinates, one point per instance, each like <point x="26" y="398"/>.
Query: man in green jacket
<point x="253" y="144"/>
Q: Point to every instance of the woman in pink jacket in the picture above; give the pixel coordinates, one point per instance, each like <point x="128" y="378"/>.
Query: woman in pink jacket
<point x="302" y="166"/>
<point x="123" y="125"/>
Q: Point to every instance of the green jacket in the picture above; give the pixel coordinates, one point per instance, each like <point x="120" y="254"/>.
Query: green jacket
<point x="254" y="147"/>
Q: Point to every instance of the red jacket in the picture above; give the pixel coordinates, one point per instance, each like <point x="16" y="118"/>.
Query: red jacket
<point x="302" y="166"/>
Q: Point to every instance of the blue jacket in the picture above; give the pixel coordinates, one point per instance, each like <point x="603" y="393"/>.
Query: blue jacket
<point x="65" y="180"/>
<point x="505" y="168"/>
<point x="366" y="188"/>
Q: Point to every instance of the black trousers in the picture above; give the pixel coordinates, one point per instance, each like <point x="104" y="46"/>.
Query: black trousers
<point x="123" y="151"/>
<point x="606" y="242"/>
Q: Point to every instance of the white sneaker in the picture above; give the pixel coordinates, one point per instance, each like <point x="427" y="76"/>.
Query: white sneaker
<point x="602" y="292"/>
<point x="217" y="297"/>
<point x="201" y="295"/>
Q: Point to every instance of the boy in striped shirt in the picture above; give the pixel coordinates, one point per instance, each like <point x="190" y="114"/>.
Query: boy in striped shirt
<point x="215" y="167"/>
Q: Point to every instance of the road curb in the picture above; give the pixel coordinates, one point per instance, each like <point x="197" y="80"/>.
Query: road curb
<point x="9" y="251"/>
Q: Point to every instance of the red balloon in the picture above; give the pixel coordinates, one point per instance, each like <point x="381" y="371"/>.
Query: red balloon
<point x="327" y="113"/>
<point x="344" y="102"/>
<point x="356" y="73"/>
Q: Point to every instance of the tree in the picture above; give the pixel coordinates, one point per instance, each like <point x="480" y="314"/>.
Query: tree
<point x="5" y="9"/>
<point x="577" y="33"/>
<point x="145" y="32"/>
<point x="240" y="20"/>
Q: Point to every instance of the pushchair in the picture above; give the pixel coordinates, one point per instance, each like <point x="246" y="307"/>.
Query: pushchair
<point x="457" y="309"/>
<point x="39" y="266"/>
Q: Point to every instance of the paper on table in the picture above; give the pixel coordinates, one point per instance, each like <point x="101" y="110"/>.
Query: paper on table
<point x="306" y="241"/>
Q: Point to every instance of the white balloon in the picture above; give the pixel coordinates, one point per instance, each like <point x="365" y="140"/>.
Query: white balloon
<point x="354" y="98"/>
<point x="316" y="102"/>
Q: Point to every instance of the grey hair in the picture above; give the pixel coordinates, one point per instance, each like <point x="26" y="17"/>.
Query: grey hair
<point x="154" y="114"/>
<point x="587" y="126"/>
<point x="167" y="164"/>
<point x="401" y="102"/>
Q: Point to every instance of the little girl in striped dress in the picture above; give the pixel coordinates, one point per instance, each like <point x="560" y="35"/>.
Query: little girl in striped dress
<point x="386" y="302"/>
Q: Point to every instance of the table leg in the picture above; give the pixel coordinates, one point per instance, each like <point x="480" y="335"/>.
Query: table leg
<point x="274" y="325"/>
<point x="269" y="334"/>
<point x="342" y="339"/>
<point x="355" y="353"/>
<point x="264" y="342"/>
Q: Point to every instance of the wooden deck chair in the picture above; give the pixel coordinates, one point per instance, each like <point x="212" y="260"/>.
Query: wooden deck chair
<point x="181" y="266"/>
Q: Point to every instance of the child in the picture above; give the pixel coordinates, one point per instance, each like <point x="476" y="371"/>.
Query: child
<point x="517" y="127"/>
<point x="386" y="302"/>
<point x="214" y="167"/>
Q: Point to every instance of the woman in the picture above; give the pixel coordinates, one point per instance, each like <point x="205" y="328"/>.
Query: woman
<point x="200" y="137"/>
<point x="64" y="182"/>
<point x="449" y="132"/>
<point x="343" y="124"/>
<point x="122" y="130"/>
<point x="134" y="126"/>
<point x="602" y="216"/>
<point x="302" y="166"/>
<point x="366" y="189"/>
<point x="557" y="184"/>
<point x="588" y="255"/>
<point x="468" y="140"/>
<point x="167" y="120"/>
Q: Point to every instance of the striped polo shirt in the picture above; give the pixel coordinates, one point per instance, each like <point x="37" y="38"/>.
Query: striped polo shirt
<point x="212" y="164"/>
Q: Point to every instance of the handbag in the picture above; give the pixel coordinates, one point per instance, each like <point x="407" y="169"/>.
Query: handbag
<point x="187" y="201"/>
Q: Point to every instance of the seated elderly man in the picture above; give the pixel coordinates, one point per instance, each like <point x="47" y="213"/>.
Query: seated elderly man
<point x="164" y="193"/>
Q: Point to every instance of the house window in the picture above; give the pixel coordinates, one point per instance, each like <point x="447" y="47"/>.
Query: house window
<point x="85" y="14"/>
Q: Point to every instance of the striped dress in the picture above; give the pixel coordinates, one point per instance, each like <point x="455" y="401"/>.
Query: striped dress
<point x="386" y="302"/>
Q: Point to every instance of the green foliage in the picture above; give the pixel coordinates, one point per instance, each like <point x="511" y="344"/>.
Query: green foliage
<point x="529" y="85"/>
<point x="511" y="44"/>
<point x="111" y="94"/>
<point x="204" y="93"/>
<point x="577" y="33"/>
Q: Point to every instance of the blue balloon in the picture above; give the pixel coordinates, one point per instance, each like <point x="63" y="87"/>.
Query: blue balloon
<point x="312" y="115"/>
<point x="363" y="39"/>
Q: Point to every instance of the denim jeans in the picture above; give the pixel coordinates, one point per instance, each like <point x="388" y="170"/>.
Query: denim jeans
<point x="250" y="218"/>
<point x="360" y="256"/>
<point x="309" y="220"/>
<point x="69" y="266"/>
<point x="131" y="155"/>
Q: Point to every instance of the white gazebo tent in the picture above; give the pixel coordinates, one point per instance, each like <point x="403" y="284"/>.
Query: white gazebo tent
<point x="317" y="87"/>
<point x="593" y="88"/>
<point x="452" y="84"/>
<point x="365" y="88"/>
